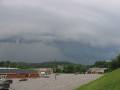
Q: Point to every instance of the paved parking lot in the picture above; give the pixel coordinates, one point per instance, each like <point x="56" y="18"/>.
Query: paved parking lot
<point x="63" y="82"/>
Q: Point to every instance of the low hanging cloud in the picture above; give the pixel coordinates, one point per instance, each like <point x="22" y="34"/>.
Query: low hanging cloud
<point x="90" y="22"/>
<point x="94" y="21"/>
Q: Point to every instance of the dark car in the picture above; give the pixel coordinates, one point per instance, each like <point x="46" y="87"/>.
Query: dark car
<point x="4" y="85"/>
<point x="9" y="81"/>
<point x="23" y="79"/>
<point x="4" y="89"/>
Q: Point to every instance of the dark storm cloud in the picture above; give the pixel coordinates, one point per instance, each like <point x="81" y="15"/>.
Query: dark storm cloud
<point x="94" y="23"/>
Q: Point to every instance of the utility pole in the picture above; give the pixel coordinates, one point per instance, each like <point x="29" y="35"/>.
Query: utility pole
<point x="55" y="67"/>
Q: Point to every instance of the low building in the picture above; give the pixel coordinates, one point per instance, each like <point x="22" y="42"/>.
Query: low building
<point x="44" y="71"/>
<point x="96" y="70"/>
<point x="17" y="73"/>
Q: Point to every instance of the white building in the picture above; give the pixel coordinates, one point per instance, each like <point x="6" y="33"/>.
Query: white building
<point x="44" y="70"/>
<point x="96" y="70"/>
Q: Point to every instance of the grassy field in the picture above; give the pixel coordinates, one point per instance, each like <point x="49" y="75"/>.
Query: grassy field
<point x="110" y="81"/>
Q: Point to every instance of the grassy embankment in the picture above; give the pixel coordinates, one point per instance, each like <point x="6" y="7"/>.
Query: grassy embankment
<point x="110" y="81"/>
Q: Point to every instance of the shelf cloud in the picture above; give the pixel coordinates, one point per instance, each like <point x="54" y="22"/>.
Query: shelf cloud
<point x="93" y="23"/>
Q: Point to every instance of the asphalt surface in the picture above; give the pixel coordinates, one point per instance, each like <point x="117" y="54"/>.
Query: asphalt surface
<point x="62" y="82"/>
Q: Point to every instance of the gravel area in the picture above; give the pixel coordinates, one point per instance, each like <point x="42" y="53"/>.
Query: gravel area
<point x="63" y="82"/>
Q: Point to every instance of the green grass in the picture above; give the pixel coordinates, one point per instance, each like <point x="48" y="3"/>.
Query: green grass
<point x="110" y="81"/>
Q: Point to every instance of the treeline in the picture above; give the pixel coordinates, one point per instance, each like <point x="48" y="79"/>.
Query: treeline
<point x="19" y="65"/>
<point x="64" y="67"/>
<point x="72" y="68"/>
<point x="111" y="65"/>
<point x="58" y="66"/>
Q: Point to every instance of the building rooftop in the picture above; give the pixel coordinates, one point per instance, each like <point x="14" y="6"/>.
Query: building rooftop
<point x="7" y="68"/>
<point x="19" y="71"/>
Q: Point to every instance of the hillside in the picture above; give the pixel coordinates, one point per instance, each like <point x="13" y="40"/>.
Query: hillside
<point x="33" y="65"/>
<point x="110" y="81"/>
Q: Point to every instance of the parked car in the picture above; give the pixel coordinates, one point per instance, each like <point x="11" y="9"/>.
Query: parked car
<point x="45" y="76"/>
<point x="24" y="79"/>
<point x="9" y="81"/>
<point x="4" y="89"/>
<point x="4" y="85"/>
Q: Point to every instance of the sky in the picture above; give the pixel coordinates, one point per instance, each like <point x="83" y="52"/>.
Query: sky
<point x="80" y="31"/>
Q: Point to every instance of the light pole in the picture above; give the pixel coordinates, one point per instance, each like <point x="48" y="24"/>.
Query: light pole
<point x="55" y="69"/>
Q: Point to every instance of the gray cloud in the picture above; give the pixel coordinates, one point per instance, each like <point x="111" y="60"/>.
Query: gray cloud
<point x="93" y="23"/>
<point x="73" y="20"/>
<point x="29" y="53"/>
